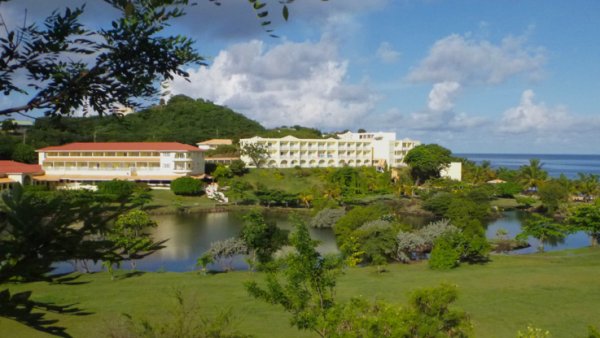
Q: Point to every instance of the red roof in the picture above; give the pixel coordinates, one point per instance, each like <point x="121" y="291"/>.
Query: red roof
<point x="122" y="146"/>
<point x="12" y="167"/>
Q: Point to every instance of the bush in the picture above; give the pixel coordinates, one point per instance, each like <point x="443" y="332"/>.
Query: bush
<point x="326" y="218"/>
<point x="238" y="167"/>
<point x="508" y="189"/>
<point x="408" y="246"/>
<point x="438" y="203"/>
<point x="444" y="255"/>
<point x="222" y="173"/>
<point x="186" y="186"/>
<point x="118" y="190"/>
<point x="434" y="230"/>
<point x="223" y="252"/>
<point x="354" y="219"/>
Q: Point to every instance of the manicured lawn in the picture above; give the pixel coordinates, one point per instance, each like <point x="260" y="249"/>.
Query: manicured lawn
<point x="165" y="201"/>
<point x="556" y="291"/>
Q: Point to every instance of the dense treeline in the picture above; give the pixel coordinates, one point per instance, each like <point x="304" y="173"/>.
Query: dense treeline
<point x="182" y="120"/>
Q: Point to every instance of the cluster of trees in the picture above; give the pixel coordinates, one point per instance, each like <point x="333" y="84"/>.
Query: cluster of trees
<point x="304" y="285"/>
<point x="332" y="186"/>
<point x="39" y="228"/>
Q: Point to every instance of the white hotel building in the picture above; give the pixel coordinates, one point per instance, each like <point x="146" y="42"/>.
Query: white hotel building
<point x="156" y="163"/>
<point x="349" y="149"/>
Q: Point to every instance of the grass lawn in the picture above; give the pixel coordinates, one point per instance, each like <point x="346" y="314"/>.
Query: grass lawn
<point x="287" y="180"/>
<point x="505" y="203"/>
<point x="556" y="291"/>
<point x="165" y="201"/>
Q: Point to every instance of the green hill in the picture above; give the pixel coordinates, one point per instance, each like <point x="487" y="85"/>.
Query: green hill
<point x="183" y="120"/>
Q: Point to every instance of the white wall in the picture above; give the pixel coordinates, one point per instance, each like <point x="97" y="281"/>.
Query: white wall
<point x="453" y="172"/>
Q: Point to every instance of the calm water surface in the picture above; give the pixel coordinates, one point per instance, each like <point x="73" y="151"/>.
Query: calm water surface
<point x="511" y="222"/>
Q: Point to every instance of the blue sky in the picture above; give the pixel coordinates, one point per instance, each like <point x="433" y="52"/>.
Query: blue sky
<point x="474" y="76"/>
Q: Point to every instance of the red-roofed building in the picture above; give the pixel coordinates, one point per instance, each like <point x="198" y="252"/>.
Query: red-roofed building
<point x="12" y="172"/>
<point x="156" y="163"/>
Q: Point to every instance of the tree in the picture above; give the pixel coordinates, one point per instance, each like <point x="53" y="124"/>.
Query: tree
<point x="222" y="173"/>
<point x="24" y="153"/>
<point x="187" y="186"/>
<point x="40" y="228"/>
<point x="304" y="285"/>
<point x="587" y="218"/>
<point x="72" y="66"/>
<point x="427" y="160"/>
<point x="257" y="153"/>
<point x="9" y="126"/>
<point x="308" y="289"/>
<point x="238" y="167"/>
<point x="553" y="194"/>
<point x="588" y="185"/>
<point x="240" y="190"/>
<point x="543" y="229"/>
<point x="532" y="175"/>
<point x="261" y="237"/>
<point x="129" y="236"/>
<point x="430" y="314"/>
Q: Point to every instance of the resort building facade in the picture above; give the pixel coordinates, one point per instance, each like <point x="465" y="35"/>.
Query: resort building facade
<point x="213" y="144"/>
<point x="12" y="173"/>
<point x="349" y="149"/>
<point x="156" y="163"/>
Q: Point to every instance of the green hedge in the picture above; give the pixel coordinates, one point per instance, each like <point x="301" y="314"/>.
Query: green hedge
<point x="187" y="186"/>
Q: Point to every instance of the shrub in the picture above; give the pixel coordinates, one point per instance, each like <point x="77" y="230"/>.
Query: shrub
<point x="118" y="190"/>
<point x="408" y="246"/>
<point x="444" y="255"/>
<point x="187" y="186"/>
<point x="222" y="173"/>
<point x="377" y="241"/>
<point x="431" y="232"/>
<point x="238" y="167"/>
<point x="223" y="252"/>
<point x="438" y="203"/>
<point x="508" y="189"/>
<point x="326" y="218"/>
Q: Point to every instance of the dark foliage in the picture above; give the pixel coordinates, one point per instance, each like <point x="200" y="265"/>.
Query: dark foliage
<point x="187" y="186"/>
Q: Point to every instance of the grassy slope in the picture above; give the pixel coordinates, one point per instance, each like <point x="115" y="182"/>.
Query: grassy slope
<point x="555" y="291"/>
<point x="284" y="179"/>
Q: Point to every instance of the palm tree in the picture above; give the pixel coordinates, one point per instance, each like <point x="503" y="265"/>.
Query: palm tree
<point x="532" y="175"/>
<point x="588" y="185"/>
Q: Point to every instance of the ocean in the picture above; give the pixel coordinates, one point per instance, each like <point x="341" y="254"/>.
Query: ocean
<point x="554" y="164"/>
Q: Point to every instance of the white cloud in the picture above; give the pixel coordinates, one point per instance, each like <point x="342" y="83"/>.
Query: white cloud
<point x="530" y="116"/>
<point x="387" y="54"/>
<point x="466" y="60"/>
<point x="439" y="116"/>
<point x="292" y="83"/>
<point x="442" y="95"/>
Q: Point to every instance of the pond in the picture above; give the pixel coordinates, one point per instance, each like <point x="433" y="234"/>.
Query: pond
<point x="190" y="235"/>
<point x="511" y="222"/>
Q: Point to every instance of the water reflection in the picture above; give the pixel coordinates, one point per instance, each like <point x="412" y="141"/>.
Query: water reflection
<point x="511" y="222"/>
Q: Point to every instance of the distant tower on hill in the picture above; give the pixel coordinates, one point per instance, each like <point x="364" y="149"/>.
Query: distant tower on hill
<point x="165" y="92"/>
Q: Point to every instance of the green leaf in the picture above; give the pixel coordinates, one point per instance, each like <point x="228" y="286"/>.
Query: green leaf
<point x="285" y="13"/>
